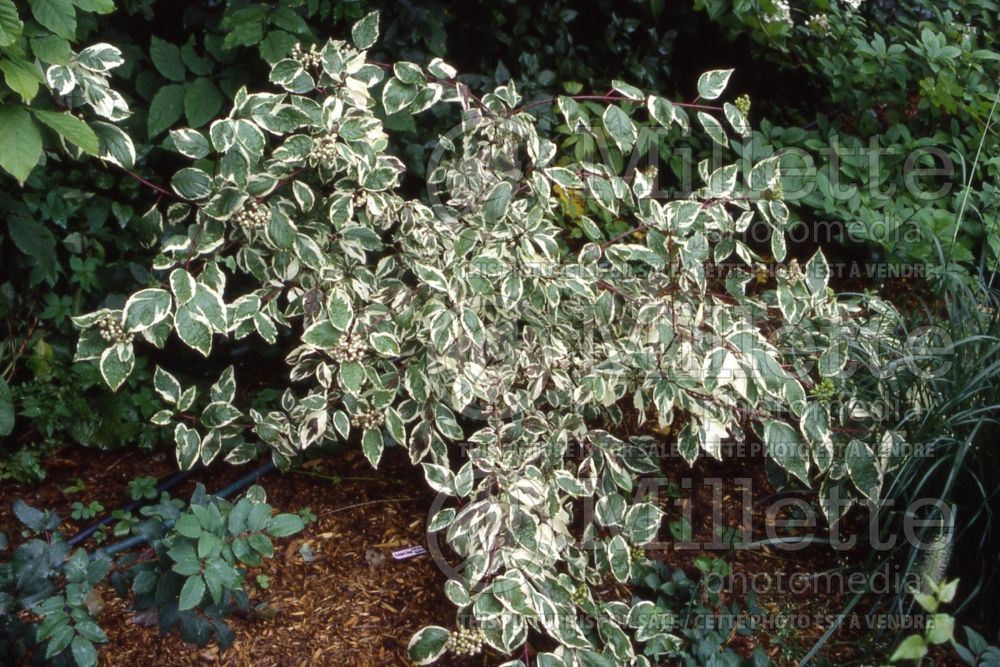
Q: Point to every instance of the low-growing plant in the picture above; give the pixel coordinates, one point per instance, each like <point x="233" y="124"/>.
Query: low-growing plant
<point x="192" y="575"/>
<point x="466" y="324"/>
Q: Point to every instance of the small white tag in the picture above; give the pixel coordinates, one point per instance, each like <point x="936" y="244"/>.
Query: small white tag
<point x="408" y="552"/>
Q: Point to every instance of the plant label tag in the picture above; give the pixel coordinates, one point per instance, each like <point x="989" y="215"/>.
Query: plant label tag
<point x="408" y="552"/>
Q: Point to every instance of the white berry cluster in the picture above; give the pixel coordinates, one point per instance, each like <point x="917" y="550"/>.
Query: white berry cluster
<point x="310" y="59"/>
<point x="324" y="149"/>
<point x="253" y="215"/>
<point x="349" y="349"/>
<point x="466" y="641"/>
<point x="369" y="419"/>
<point x="112" y="330"/>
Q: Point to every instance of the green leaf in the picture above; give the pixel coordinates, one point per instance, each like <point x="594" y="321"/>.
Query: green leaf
<point x="192" y="592"/>
<point x="283" y="525"/>
<point x="785" y="447"/>
<point x="428" y="644"/>
<point x="620" y="127"/>
<point x="365" y="32"/>
<point x="6" y="409"/>
<point x="385" y="344"/>
<point x="165" y="109"/>
<point x="59" y="16"/>
<point x="712" y="84"/>
<point x="51" y="49"/>
<point x="912" y="648"/>
<point x="192" y="183"/>
<point x="191" y="329"/>
<point x="713" y="128"/>
<point x="84" y="652"/>
<point x="397" y="95"/>
<point x="339" y="310"/>
<point x="20" y="142"/>
<point x="202" y="101"/>
<point x="940" y="628"/>
<point x="352" y="376"/>
<point x="371" y="445"/>
<point x="187" y="442"/>
<point x="10" y="24"/>
<point x="191" y="143"/>
<point x="863" y="468"/>
<point x="146" y="308"/>
<point x="166" y="58"/>
<point x="620" y="558"/>
<point x="32" y="238"/>
<point x="497" y="201"/>
<point x="96" y="6"/>
<point x="72" y="129"/>
<point x="22" y="77"/>
<point x="115" y="145"/>
<point x="116" y="364"/>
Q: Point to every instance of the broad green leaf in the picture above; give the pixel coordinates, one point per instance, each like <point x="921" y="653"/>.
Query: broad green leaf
<point x="188" y="443"/>
<point x="352" y="376"/>
<point x="191" y="143"/>
<point x="713" y="128"/>
<point x="59" y="16"/>
<point x="51" y="49"/>
<point x="6" y="409"/>
<point x="202" y="101"/>
<point x="397" y="95"/>
<point x="10" y="24"/>
<point x="83" y="651"/>
<point x="912" y="648"/>
<point x="428" y="644"/>
<point x="497" y="201"/>
<point x="620" y="127"/>
<point x="385" y="344"/>
<point x="661" y="110"/>
<point x="72" y="129"/>
<point x="101" y="57"/>
<point x="22" y="77"/>
<point x="166" y="58"/>
<point x="863" y="468"/>
<point x="115" y="145"/>
<point x="786" y="447"/>
<point x="167" y="386"/>
<point x="283" y="525"/>
<point x="620" y="559"/>
<point x="192" y="183"/>
<point x="712" y="84"/>
<point x="372" y="445"/>
<point x="165" y="109"/>
<point x="365" y="32"/>
<point x="20" y="142"/>
<point x="116" y="364"/>
<point x="192" y="592"/>
<point x="145" y="308"/>
<point x="96" y="6"/>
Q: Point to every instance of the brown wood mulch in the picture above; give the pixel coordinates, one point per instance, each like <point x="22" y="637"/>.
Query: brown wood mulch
<point x="351" y="603"/>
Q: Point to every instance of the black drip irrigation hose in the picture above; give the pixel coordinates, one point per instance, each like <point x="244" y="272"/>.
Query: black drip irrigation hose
<point x="166" y="485"/>
<point x="136" y="540"/>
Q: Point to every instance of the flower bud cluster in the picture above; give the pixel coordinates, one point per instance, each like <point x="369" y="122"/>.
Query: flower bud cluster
<point x="324" y="149"/>
<point x="369" y="419"/>
<point x="466" y="641"/>
<point x="349" y="349"/>
<point x="313" y="58"/>
<point x="253" y="215"/>
<point x="743" y="105"/>
<point x="112" y="330"/>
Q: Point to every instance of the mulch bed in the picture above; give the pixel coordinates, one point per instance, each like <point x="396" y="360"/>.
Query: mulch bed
<point x="352" y="604"/>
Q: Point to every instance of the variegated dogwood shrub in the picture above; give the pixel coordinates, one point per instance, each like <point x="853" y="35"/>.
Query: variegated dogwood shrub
<point x="463" y="327"/>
